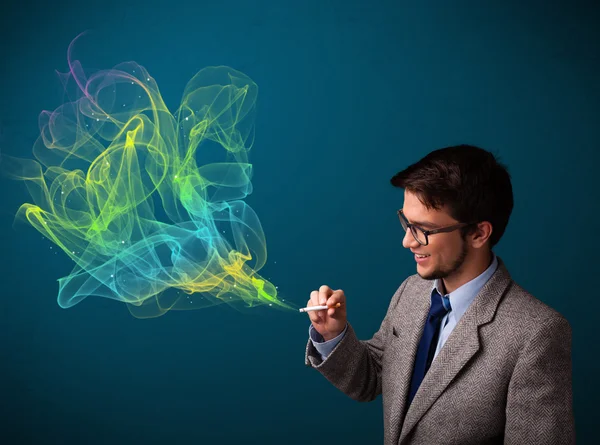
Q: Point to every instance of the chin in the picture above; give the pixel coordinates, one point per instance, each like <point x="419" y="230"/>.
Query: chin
<point x="426" y="276"/>
<point x="430" y="275"/>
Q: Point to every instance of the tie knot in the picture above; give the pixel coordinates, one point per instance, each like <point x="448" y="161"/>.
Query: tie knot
<point x="446" y="303"/>
<point x="440" y="305"/>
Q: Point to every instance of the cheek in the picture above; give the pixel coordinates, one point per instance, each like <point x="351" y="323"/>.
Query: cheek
<point x="436" y="249"/>
<point x="440" y="252"/>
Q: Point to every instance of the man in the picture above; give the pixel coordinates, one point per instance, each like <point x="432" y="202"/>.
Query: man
<point x="464" y="355"/>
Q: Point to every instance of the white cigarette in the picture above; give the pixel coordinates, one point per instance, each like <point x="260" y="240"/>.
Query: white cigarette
<point x="318" y="308"/>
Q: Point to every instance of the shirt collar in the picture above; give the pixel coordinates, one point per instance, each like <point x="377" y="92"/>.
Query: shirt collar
<point x="461" y="298"/>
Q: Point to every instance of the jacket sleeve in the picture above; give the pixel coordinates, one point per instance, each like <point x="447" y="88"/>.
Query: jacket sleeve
<point x="539" y="406"/>
<point x="354" y="366"/>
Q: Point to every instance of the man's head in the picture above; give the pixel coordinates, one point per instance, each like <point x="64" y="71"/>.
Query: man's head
<point x="449" y="186"/>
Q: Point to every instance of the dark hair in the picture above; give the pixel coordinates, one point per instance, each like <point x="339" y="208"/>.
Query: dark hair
<point x="469" y="180"/>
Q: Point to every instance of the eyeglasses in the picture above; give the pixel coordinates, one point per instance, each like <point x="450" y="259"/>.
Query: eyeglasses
<point x="421" y="235"/>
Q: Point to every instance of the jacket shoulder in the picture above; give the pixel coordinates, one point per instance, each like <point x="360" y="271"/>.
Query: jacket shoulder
<point x="520" y="305"/>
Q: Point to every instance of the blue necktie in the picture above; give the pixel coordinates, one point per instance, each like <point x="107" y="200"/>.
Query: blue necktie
<point x="440" y="306"/>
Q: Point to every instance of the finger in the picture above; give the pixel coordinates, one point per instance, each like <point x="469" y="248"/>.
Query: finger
<point x="315" y="316"/>
<point x="314" y="298"/>
<point x="312" y="314"/>
<point x="336" y="297"/>
<point x="324" y="293"/>
<point x="336" y="304"/>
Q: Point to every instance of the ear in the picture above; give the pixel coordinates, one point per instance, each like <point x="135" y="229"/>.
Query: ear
<point x="481" y="234"/>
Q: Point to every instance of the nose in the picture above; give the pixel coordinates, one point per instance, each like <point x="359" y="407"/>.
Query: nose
<point x="409" y="240"/>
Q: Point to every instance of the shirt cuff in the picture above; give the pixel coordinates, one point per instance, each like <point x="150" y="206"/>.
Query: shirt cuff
<point x="324" y="347"/>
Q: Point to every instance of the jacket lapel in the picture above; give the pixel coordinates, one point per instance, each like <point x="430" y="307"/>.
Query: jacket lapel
<point x="461" y="346"/>
<point x="408" y="325"/>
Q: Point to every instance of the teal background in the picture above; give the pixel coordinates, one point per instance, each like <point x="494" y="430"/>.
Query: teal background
<point x="350" y="92"/>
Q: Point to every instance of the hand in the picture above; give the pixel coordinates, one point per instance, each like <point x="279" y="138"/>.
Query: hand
<point x="328" y="322"/>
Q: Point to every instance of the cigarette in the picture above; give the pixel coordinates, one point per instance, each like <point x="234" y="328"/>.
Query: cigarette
<point x="318" y="308"/>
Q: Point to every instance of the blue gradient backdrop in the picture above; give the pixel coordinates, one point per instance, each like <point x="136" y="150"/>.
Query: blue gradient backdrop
<point x="349" y="93"/>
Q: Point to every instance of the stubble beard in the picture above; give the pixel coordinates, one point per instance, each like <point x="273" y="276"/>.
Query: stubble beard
<point x="441" y="273"/>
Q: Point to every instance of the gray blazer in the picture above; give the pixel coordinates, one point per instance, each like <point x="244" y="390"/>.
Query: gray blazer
<point x="503" y="375"/>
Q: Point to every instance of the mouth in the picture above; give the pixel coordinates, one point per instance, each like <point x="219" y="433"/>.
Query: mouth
<point x="421" y="258"/>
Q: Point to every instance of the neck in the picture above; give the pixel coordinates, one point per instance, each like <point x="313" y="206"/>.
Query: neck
<point x="474" y="265"/>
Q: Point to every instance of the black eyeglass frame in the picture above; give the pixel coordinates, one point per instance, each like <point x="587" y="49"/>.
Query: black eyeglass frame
<point x="412" y="227"/>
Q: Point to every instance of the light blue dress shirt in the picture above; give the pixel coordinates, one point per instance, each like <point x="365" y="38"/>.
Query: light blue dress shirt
<point x="460" y="300"/>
